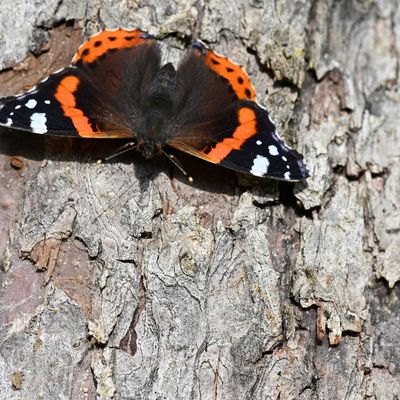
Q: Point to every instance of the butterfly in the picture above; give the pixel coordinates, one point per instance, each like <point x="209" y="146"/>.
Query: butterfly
<point x="116" y="87"/>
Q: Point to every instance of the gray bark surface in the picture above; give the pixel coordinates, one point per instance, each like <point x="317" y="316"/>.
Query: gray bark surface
<point x="122" y="280"/>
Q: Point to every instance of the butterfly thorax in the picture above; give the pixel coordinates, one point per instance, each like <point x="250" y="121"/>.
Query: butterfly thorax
<point x="157" y="110"/>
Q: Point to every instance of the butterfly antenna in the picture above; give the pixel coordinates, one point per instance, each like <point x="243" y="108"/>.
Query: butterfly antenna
<point x="121" y="150"/>
<point x="177" y="164"/>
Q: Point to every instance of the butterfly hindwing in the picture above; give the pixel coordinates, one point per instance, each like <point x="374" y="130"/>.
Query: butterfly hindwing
<point x="107" y="41"/>
<point x="97" y="96"/>
<point x="231" y="72"/>
<point x="122" y="64"/>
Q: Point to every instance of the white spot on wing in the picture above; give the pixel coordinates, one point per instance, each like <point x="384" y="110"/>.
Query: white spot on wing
<point x="38" y="123"/>
<point x="9" y="122"/>
<point x="31" y="103"/>
<point x="286" y="175"/>
<point x="11" y="114"/>
<point x="273" y="150"/>
<point x="18" y="106"/>
<point x="260" y="166"/>
<point x="284" y="158"/>
<point x="47" y="101"/>
<point x="259" y="142"/>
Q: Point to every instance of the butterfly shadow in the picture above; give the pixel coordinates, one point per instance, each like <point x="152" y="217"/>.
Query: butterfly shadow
<point x="37" y="148"/>
<point x="207" y="177"/>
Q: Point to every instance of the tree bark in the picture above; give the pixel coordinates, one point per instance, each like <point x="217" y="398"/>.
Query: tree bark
<point x="123" y="280"/>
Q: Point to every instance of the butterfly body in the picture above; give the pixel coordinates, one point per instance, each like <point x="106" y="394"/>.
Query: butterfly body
<point x="157" y="110"/>
<point x="116" y="87"/>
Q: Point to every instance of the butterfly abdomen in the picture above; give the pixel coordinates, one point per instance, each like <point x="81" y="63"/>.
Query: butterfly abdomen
<point x="161" y="93"/>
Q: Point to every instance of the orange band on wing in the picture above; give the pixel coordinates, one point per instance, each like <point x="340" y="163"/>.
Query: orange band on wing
<point x="65" y="96"/>
<point x="105" y="41"/>
<point x="246" y="129"/>
<point x="233" y="73"/>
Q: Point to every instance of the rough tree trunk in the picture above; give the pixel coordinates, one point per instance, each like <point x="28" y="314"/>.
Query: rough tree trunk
<point x="124" y="280"/>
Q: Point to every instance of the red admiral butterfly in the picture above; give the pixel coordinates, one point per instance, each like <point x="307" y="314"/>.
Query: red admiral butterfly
<point x="117" y="88"/>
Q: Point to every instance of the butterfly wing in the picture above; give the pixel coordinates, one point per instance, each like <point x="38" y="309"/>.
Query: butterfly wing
<point x="97" y="96"/>
<point x="219" y="121"/>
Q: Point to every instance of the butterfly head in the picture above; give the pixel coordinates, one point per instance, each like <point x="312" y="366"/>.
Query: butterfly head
<point x="149" y="149"/>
